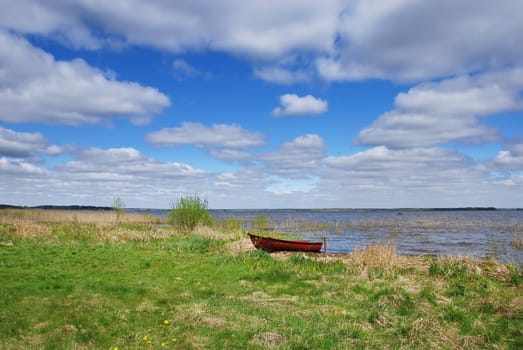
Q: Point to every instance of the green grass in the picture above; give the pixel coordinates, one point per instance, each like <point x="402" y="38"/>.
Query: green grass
<point x="76" y="290"/>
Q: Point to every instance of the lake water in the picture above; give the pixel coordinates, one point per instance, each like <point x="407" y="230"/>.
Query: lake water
<point x="474" y="233"/>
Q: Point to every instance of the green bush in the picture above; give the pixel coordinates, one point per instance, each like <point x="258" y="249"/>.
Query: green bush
<point x="189" y="212"/>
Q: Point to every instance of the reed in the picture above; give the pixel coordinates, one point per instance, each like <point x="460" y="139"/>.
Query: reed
<point x="59" y="225"/>
<point x="98" y="217"/>
<point x="517" y="241"/>
<point x="375" y="260"/>
<point x="396" y="224"/>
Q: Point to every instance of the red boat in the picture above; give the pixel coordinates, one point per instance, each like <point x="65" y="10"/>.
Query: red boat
<point x="272" y="244"/>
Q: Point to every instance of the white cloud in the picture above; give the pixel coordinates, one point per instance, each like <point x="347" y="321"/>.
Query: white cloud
<point x="436" y="113"/>
<point x="17" y="168"/>
<point x="403" y="130"/>
<point x="296" y="174"/>
<point x="52" y="18"/>
<point x="281" y="75"/>
<point x="479" y="95"/>
<point x="294" y="105"/>
<point x="409" y="40"/>
<point x="230" y="154"/>
<point x="510" y="159"/>
<point x="384" y="162"/>
<point x="34" y="87"/>
<point x="417" y="177"/>
<point x="117" y="164"/>
<point x="96" y="176"/>
<point x="255" y="28"/>
<point x="405" y="40"/>
<point x="284" y="186"/>
<point x="24" y="144"/>
<point x="218" y="135"/>
<point x="183" y="70"/>
<point x="298" y="157"/>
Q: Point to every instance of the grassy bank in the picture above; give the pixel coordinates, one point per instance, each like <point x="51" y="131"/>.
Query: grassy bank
<point x="91" y="283"/>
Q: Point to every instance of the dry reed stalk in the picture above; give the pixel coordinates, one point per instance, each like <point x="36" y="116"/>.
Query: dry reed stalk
<point x="98" y="225"/>
<point x="375" y="255"/>
<point x="29" y="230"/>
<point x="517" y="241"/>
<point x="73" y="216"/>
<point x="126" y="234"/>
<point x="490" y="267"/>
<point x="209" y="232"/>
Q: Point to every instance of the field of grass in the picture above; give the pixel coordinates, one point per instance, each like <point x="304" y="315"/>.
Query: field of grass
<point x="85" y="281"/>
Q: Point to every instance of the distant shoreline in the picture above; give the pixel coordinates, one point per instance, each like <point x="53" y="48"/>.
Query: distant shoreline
<point x="283" y="210"/>
<point x="56" y="207"/>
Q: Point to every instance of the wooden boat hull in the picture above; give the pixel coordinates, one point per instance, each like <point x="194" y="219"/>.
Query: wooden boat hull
<point x="272" y="244"/>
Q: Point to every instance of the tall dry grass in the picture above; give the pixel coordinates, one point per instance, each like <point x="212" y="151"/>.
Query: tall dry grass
<point x="517" y="241"/>
<point x="98" y="225"/>
<point x="98" y="217"/>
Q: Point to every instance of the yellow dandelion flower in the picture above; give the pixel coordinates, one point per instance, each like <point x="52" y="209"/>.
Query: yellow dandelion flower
<point x="163" y="344"/>
<point x="144" y="338"/>
<point x="166" y="321"/>
<point x="174" y="340"/>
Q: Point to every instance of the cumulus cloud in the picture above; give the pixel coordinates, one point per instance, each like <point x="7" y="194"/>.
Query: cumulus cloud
<point x="297" y="173"/>
<point x="24" y="144"/>
<point x="384" y="162"/>
<point x="403" y="130"/>
<point x="281" y="75"/>
<point x="34" y="87"/>
<point x="297" y="157"/>
<point x="116" y="164"/>
<point x="411" y="40"/>
<point x="95" y="176"/>
<point x="218" y="135"/>
<point x="416" y="177"/>
<point x="261" y="29"/>
<point x="406" y="40"/>
<point x="294" y="105"/>
<point x="52" y="18"/>
<point x="230" y="154"/>
<point x="510" y="158"/>
<point x="478" y="95"/>
<point x="439" y="112"/>
<point x="17" y="168"/>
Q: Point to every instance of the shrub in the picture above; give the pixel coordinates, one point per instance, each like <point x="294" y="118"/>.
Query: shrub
<point x="189" y="212"/>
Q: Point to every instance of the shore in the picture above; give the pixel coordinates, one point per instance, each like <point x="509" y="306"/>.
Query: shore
<point x="103" y="282"/>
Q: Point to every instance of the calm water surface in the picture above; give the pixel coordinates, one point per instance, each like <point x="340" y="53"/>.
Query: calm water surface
<point x="474" y="233"/>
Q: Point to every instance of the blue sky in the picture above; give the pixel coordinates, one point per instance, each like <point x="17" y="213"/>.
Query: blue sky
<point x="262" y="104"/>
